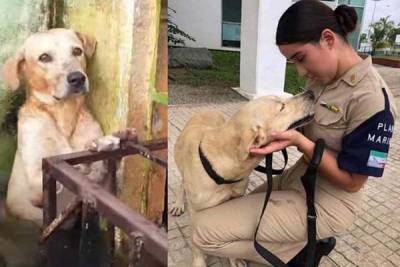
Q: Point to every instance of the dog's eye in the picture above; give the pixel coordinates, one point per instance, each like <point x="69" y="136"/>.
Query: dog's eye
<point x="283" y="106"/>
<point x="45" y="58"/>
<point x="77" y="51"/>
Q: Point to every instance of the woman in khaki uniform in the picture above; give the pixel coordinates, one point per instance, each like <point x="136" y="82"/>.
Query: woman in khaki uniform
<point x="354" y="114"/>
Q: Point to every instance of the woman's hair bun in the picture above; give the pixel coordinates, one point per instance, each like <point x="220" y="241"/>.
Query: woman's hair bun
<point x="347" y="18"/>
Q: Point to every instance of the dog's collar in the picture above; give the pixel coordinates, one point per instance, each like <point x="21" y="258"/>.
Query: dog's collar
<point x="211" y="172"/>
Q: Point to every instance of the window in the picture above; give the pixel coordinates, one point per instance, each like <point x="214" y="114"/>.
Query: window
<point x="231" y="22"/>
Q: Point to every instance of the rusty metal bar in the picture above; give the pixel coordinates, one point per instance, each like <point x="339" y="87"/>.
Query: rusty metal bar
<point x="111" y="186"/>
<point x="49" y="195"/>
<point x="127" y="148"/>
<point x="136" y="249"/>
<point x="147" y="154"/>
<point x="110" y="207"/>
<point x="60" y="219"/>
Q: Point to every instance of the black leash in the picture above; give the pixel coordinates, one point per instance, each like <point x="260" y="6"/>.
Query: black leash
<point x="263" y="169"/>
<point x="308" y="180"/>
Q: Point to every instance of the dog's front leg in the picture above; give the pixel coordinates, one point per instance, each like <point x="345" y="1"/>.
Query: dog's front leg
<point x="178" y="208"/>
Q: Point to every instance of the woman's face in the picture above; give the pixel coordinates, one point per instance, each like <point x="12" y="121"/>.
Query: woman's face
<point x="314" y="61"/>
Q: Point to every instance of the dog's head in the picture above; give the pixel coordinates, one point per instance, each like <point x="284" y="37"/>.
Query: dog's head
<point x="259" y="118"/>
<point x="52" y="64"/>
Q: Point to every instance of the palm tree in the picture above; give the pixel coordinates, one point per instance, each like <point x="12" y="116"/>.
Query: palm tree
<point x="392" y="35"/>
<point x="381" y="33"/>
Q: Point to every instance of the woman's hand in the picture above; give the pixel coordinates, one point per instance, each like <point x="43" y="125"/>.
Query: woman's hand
<point x="281" y="141"/>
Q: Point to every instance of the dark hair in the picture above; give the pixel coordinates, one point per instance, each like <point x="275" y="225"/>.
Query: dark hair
<point x="305" y="20"/>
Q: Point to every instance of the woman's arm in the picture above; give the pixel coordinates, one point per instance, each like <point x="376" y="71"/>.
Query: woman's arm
<point x="350" y="182"/>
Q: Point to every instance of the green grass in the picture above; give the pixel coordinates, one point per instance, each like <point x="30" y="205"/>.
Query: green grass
<point x="226" y="72"/>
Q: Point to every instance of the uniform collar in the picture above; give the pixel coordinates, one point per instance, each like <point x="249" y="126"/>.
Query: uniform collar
<point x="354" y="75"/>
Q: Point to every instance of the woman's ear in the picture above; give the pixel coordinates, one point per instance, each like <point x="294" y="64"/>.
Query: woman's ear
<point x="328" y="38"/>
<point x="12" y="69"/>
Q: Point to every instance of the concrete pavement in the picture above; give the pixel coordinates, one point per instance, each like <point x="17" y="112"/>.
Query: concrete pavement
<point x="374" y="238"/>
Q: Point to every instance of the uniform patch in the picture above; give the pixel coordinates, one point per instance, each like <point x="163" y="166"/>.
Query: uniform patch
<point x="365" y="149"/>
<point x="377" y="159"/>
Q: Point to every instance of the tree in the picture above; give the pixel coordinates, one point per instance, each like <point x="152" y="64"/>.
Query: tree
<point x="363" y="38"/>
<point x="380" y="33"/>
<point x="392" y="35"/>
<point x="175" y="35"/>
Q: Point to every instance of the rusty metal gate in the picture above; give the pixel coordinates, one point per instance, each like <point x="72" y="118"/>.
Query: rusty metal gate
<point x="148" y="244"/>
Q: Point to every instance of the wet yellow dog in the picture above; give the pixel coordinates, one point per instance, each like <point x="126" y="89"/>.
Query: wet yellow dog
<point x="54" y="120"/>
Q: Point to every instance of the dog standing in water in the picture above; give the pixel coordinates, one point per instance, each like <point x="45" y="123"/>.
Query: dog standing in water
<point x="54" y="119"/>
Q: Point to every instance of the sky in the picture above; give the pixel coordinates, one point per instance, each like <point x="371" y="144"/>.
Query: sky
<point x="383" y="8"/>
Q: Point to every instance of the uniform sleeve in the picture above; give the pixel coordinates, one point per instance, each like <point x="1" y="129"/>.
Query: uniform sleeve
<point x="365" y="146"/>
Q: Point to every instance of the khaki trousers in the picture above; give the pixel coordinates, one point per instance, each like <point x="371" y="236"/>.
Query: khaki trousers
<point x="227" y="230"/>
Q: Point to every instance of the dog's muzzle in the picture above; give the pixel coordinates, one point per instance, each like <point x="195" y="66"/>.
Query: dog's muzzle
<point x="76" y="82"/>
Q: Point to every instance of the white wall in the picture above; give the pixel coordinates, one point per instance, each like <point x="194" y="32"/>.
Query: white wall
<point x="333" y="5"/>
<point x="202" y="19"/>
<point x="248" y="43"/>
<point x="262" y="67"/>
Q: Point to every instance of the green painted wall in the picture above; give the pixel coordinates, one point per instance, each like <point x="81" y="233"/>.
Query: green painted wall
<point x="111" y="23"/>
<point x="18" y="19"/>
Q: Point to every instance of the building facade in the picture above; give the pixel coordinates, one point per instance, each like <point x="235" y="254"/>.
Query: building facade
<point x="246" y="26"/>
<point x="217" y="24"/>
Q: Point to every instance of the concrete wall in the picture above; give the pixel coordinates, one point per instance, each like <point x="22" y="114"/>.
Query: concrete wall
<point x="332" y="4"/>
<point x="111" y="23"/>
<point x="144" y="183"/>
<point x="200" y="19"/>
<point x="124" y="85"/>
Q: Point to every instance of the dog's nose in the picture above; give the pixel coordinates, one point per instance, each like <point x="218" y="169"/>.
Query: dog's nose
<point x="309" y="94"/>
<point x="76" y="79"/>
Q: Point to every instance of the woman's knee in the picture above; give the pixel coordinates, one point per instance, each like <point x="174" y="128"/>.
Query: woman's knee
<point x="204" y="234"/>
<point x="199" y="231"/>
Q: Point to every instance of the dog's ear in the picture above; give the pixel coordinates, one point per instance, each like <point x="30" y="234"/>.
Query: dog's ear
<point x="12" y="69"/>
<point x="251" y="138"/>
<point x="88" y="42"/>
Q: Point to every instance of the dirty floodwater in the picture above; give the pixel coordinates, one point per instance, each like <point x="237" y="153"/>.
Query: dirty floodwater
<point x="19" y="246"/>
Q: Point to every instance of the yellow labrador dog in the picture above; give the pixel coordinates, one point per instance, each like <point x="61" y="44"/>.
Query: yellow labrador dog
<point x="54" y="119"/>
<point x="208" y="139"/>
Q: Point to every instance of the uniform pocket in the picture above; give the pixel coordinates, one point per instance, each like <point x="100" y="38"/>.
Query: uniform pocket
<point x="329" y="119"/>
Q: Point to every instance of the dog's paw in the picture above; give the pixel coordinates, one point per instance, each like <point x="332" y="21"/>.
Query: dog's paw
<point x="237" y="262"/>
<point x="129" y="134"/>
<point x="83" y="168"/>
<point x="177" y="209"/>
<point x="105" y="143"/>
